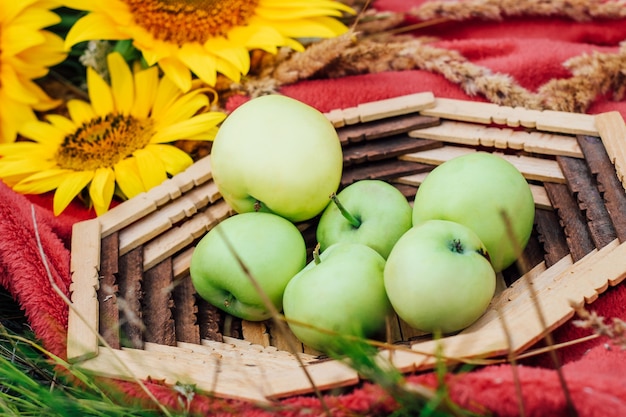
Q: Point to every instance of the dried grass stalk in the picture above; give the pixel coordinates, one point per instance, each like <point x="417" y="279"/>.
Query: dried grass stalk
<point x="579" y="10"/>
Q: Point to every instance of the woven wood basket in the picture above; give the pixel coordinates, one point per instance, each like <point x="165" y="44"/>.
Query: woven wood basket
<point x="135" y="314"/>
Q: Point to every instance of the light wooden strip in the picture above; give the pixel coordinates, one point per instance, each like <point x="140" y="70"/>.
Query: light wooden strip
<point x="564" y="122"/>
<point x="539" y="192"/>
<point x="126" y="213"/>
<point x="381" y="109"/>
<point x="236" y="377"/>
<point x="488" y="113"/>
<point x="198" y="173"/>
<point x="532" y="168"/>
<point x="177" y="239"/>
<point x="613" y="134"/>
<point x="154" y="224"/>
<point x="82" y="327"/>
<point x="255" y="332"/>
<point x="473" y="134"/>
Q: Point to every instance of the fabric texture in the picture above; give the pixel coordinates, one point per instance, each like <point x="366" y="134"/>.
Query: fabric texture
<point x="512" y="53"/>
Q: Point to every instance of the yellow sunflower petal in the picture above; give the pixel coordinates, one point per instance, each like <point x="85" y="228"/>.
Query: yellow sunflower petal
<point x="69" y="187"/>
<point x="42" y="132"/>
<point x="234" y="52"/>
<point x="99" y="93"/>
<point x="13" y="115"/>
<point x="122" y="83"/>
<point x="151" y="169"/>
<point x="15" y="170"/>
<point x="177" y="72"/>
<point x="188" y="128"/>
<point x="127" y="177"/>
<point x="62" y="123"/>
<point x="174" y="159"/>
<point x="167" y="93"/>
<point x="41" y="182"/>
<point x="146" y="82"/>
<point x="181" y="109"/>
<point x="92" y="26"/>
<point x="101" y="189"/>
<point x="199" y="62"/>
<point x="16" y="88"/>
<point x="80" y="111"/>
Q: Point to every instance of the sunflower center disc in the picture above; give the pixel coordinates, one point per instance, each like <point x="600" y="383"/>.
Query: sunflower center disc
<point x="185" y="21"/>
<point x="104" y="141"/>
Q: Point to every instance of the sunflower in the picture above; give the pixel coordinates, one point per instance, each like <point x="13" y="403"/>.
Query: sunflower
<point x="205" y="37"/>
<point x="120" y="139"/>
<point x="26" y="53"/>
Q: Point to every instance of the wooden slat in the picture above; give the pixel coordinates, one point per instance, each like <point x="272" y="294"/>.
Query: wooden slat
<point x="532" y="168"/>
<point x="551" y="235"/>
<point x="608" y="184"/>
<point x="185" y="312"/>
<point x="178" y="238"/>
<point x="381" y="109"/>
<point x="130" y="296"/>
<point x="475" y="135"/>
<point x="387" y="148"/>
<point x="382" y="170"/>
<point x="377" y="129"/>
<point x="208" y="318"/>
<point x="156" y="223"/>
<point x="157" y="286"/>
<point x="83" y="319"/>
<point x="488" y="113"/>
<point x="572" y="220"/>
<point x="107" y="292"/>
<point x="581" y="184"/>
<point x="613" y="133"/>
<point x="255" y="332"/>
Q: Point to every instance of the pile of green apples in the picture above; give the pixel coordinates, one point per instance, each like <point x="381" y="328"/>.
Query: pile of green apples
<point x="278" y="163"/>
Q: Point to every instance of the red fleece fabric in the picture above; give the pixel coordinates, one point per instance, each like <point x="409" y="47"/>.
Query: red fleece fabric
<point x="531" y="50"/>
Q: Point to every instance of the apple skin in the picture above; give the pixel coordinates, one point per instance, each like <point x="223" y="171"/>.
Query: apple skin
<point x="474" y="190"/>
<point x="343" y="293"/>
<point x="384" y="213"/>
<point x="277" y="154"/>
<point x="271" y="247"/>
<point x="438" y="278"/>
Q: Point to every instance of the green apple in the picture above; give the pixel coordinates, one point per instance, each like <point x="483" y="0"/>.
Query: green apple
<point x="371" y="212"/>
<point x="340" y="292"/>
<point x="478" y="190"/>
<point x="272" y="250"/>
<point x="277" y="154"/>
<point x="438" y="277"/>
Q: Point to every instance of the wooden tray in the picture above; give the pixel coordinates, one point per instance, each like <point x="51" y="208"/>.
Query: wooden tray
<point x="135" y="313"/>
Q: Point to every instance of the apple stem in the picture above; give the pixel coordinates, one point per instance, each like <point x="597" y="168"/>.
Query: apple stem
<point x="353" y="220"/>
<point x="316" y="254"/>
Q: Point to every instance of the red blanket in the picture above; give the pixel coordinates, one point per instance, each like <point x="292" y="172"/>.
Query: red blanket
<point x="563" y="55"/>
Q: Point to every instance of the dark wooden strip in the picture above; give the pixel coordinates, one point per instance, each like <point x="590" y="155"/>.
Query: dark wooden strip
<point x="384" y="127"/>
<point x="157" y="304"/>
<point x="582" y="185"/>
<point x="209" y="318"/>
<point x="386" y="148"/>
<point x="185" y="311"/>
<point x="551" y="236"/>
<point x="129" y="299"/>
<point x="382" y="170"/>
<point x="571" y="219"/>
<point x="109" y="316"/>
<point x="608" y="184"/>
